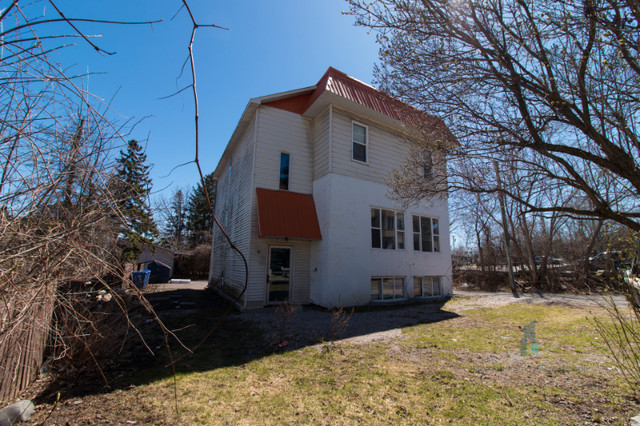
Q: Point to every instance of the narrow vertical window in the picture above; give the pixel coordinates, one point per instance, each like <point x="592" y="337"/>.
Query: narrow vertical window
<point x="284" y="171"/>
<point x="425" y="227"/>
<point x="388" y="230"/>
<point x="427" y="165"/>
<point x="436" y="235"/>
<point x="230" y="164"/>
<point x="359" y="150"/>
<point x="416" y="233"/>
<point x="400" y="231"/>
<point x="376" y="239"/>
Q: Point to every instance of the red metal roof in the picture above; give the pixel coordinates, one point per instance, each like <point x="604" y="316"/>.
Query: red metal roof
<point x="354" y="90"/>
<point x="287" y="214"/>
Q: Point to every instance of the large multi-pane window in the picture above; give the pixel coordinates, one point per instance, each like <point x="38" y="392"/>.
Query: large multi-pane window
<point x="360" y="136"/>
<point x="426" y="287"/>
<point x="426" y="234"/>
<point x="384" y="288"/>
<point x="387" y="229"/>
<point x="284" y="171"/>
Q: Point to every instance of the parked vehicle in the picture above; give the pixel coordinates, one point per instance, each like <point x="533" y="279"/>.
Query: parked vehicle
<point x="609" y="260"/>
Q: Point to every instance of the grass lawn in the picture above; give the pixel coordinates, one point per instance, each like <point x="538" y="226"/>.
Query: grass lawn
<point x="465" y="370"/>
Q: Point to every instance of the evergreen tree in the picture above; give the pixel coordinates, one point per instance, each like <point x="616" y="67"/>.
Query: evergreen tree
<point x="199" y="220"/>
<point x="133" y="186"/>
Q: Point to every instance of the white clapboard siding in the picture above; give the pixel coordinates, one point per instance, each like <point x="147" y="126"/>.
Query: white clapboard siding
<point x="385" y="149"/>
<point x="321" y="147"/>
<point x="300" y="261"/>
<point x="233" y="209"/>
<point x="281" y="131"/>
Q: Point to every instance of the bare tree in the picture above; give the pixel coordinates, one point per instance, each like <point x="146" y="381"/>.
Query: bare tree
<point x="172" y="214"/>
<point x="58" y="215"/>
<point x="554" y="85"/>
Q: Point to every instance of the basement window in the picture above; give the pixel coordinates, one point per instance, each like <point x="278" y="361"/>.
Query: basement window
<point x="387" y="288"/>
<point x="426" y="287"/>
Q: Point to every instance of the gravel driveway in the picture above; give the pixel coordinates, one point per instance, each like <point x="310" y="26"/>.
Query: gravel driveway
<point x="310" y="324"/>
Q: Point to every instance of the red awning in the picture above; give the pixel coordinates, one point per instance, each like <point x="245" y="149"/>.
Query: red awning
<point x="285" y="214"/>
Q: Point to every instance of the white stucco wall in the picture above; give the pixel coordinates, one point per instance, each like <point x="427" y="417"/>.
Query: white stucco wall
<point x="343" y="263"/>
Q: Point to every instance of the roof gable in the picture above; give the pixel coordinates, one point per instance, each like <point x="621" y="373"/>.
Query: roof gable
<point x="354" y="90"/>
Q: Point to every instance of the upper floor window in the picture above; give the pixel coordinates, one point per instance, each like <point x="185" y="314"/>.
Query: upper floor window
<point x="426" y="234"/>
<point x="284" y="171"/>
<point x="230" y="165"/>
<point x="427" y="165"/>
<point x="387" y="229"/>
<point x="360" y="136"/>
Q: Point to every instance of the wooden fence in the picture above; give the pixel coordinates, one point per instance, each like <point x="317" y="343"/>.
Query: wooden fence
<point x="25" y="319"/>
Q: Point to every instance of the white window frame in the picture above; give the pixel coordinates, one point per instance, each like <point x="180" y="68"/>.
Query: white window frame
<point x="366" y="142"/>
<point x="396" y="214"/>
<point x="428" y="283"/>
<point x="399" y="290"/>
<point x="435" y="236"/>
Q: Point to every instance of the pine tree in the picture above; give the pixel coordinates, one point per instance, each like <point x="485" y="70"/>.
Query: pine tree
<point x="199" y="220"/>
<point x="133" y="186"/>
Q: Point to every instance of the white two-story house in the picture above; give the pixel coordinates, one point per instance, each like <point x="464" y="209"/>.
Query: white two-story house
<point x="302" y="193"/>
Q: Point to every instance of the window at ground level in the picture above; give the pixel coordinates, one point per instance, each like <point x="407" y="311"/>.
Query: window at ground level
<point x="359" y="150"/>
<point x="426" y="234"/>
<point x="284" y="171"/>
<point x="387" y="229"/>
<point x="426" y="286"/>
<point x="386" y="288"/>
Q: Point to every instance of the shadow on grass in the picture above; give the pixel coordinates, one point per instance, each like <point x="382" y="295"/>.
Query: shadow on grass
<point x="238" y="339"/>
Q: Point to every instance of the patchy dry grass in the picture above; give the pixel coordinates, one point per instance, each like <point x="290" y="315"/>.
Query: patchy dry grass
<point x="467" y="370"/>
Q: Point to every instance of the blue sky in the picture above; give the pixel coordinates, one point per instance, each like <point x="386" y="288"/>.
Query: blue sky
<point x="271" y="46"/>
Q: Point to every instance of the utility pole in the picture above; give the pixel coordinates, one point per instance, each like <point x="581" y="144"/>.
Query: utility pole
<point x="505" y="228"/>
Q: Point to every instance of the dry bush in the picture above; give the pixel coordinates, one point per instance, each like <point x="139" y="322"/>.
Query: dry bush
<point x="193" y="264"/>
<point x="338" y="324"/>
<point x="57" y="214"/>
<point x="622" y="338"/>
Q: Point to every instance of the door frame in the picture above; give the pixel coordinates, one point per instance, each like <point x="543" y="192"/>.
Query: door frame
<point x="291" y="271"/>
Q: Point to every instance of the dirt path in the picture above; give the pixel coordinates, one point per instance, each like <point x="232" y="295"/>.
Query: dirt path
<point x="307" y="325"/>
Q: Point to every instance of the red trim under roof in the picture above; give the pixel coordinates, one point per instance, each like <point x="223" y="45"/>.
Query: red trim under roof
<point x="285" y="214"/>
<point x="297" y="104"/>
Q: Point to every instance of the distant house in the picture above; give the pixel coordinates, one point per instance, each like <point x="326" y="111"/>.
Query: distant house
<point x="302" y="193"/>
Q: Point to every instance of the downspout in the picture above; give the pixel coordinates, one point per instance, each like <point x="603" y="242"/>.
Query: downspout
<point x="330" y="138"/>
